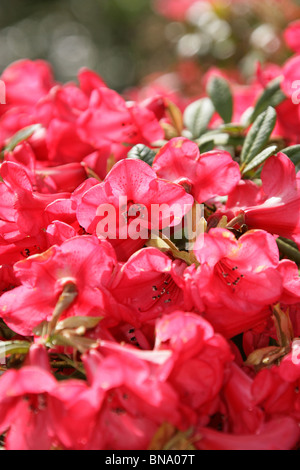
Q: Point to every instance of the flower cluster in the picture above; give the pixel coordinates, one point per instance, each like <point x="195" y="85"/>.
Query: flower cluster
<point x="122" y="327"/>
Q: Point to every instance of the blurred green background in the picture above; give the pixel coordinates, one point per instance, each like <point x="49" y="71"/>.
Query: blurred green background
<point x="126" y="40"/>
<point x="120" y="39"/>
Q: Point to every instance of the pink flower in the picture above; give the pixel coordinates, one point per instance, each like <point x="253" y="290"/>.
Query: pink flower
<point x="82" y="261"/>
<point x="292" y="36"/>
<point x="89" y="80"/>
<point x="277" y="434"/>
<point x="109" y="119"/>
<point x="61" y="178"/>
<point x="73" y="406"/>
<point x="242" y="415"/>
<point x="58" y="112"/>
<point x="121" y="207"/>
<point x="27" y="81"/>
<point x="137" y="397"/>
<point x="290" y="72"/>
<point x="245" y="194"/>
<point x="24" y="207"/>
<point x="39" y="413"/>
<point x="24" y="413"/>
<point x="204" y="175"/>
<point x="288" y="119"/>
<point x="279" y="213"/>
<point x="277" y="388"/>
<point x="175" y="10"/>
<point x="200" y="361"/>
<point x="147" y="284"/>
<point x="45" y="179"/>
<point x="291" y="282"/>
<point x="236" y="279"/>
<point x="12" y="121"/>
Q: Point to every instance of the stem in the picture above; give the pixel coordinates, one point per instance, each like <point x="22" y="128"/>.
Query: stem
<point x="283" y="326"/>
<point x="61" y="365"/>
<point x="91" y="173"/>
<point x="72" y="364"/>
<point x="68" y="295"/>
<point x="238" y="220"/>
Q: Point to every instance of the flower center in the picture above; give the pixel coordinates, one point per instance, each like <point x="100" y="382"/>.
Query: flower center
<point x="164" y="293"/>
<point x="229" y="273"/>
<point x="36" y="402"/>
<point x="133" y="210"/>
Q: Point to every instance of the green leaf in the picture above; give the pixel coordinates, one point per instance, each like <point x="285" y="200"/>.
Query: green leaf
<point x="80" y="343"/>
<point x="293" y="153"/>
<point x="259" y="159"/>
<point x="207" y="146"/>
<point x="13" y="347"/>
<point x="232" y="128"/>
<point x="5" y="331"/>
<point x="159" y="143"/>
<point x="258" y="135"/>
<point x="245" y="118"/>
<point x="142" y="152"/>
<point x="271" y="96"/>
<point x="287" y="249"/>
<point x="220" y="139"/>
<point x="197" y="116"/>
<point x="20" y="136"/>
<point x="220" y="94"/>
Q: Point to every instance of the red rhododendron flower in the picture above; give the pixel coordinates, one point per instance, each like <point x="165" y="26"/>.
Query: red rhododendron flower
<point x="276" y="388"/>
<point x="236" y="279"/>
<point x="83" y="262"/>
<point x="27" y="208"/>
<point x="278" y="434"/>
<point x="242" y="415"/>
<point x="40" y="413"/>
<point x="121" y="207"/>
<point x="279" y="213"/>
<point x="24" y="412"/>
<point x="27" y="81"/>
<point x="290" y="72"/>
<point x="204" y="175"/>
<point x="147" y="284"/>
<point x="292" y="36"/>
<point x="200" y="357"/>
<point x="149" y="296"/>
<point x="44" y="179"/>
<point x="137" y="399"/>
<point x="109" y="119"/>
<point x="58" y="112"/>
<point x="173" y="9"/>
<point x="245" y="194"/>
<point x="291" y="281"/>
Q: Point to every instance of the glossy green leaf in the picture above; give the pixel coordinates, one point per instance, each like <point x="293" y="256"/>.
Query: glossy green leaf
<point x="259" y="159"/>
<point x="142" y="152"/>
<point x="271" y="96"/>
<point x="293" y="153"/>
<point x="288" y="249"/>
<point x="258" y="135"/>
<point x="197" y="116"/>
<point x="13" y="347"/>
<point x="220" y="94"/>
<point x="20" y="136"/>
